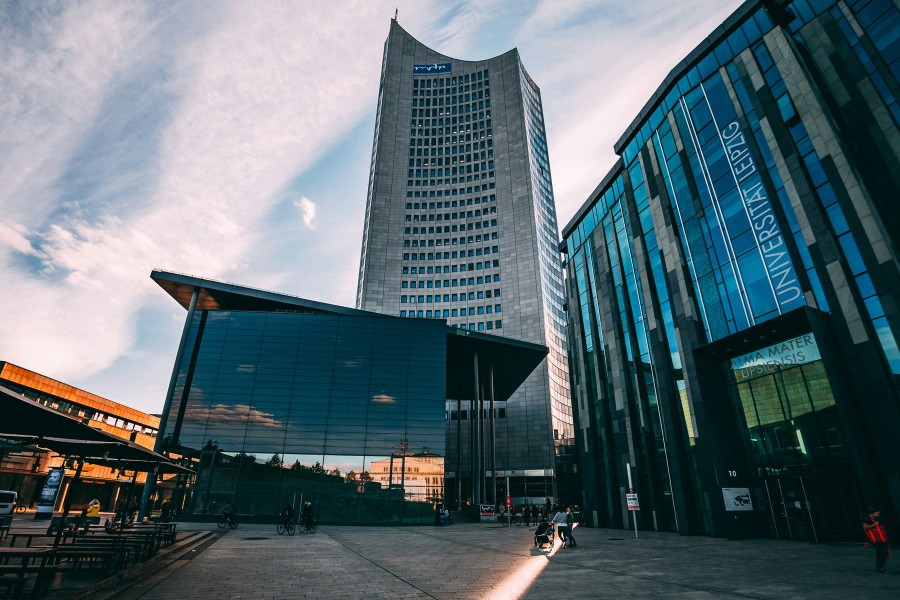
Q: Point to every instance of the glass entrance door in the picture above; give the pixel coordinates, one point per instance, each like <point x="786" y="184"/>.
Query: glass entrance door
<point x="790" y="509"/>
<point x="795" y="445"/>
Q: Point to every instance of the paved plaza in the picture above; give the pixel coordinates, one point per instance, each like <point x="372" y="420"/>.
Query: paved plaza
<point x="469" y="560"/>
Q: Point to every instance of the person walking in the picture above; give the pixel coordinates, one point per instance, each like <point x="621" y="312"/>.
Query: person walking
<point x="562" y="526"/>
<point x="570" y="529"/>
<point x="876" y="536"/>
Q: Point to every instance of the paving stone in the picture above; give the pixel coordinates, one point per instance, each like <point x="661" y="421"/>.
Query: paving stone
<point x="477" y="561"/>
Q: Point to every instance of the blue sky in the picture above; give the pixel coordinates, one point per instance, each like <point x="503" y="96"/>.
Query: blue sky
<point x="231" y="140"/>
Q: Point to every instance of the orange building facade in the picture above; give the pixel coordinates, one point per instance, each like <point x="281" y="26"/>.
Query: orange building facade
<point x="24" y="469"/>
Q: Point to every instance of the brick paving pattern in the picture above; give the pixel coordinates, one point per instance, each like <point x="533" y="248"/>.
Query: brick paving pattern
<point x="474" y="561"/>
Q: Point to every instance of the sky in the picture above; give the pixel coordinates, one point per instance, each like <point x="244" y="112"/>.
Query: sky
<point x="231" y="141"/>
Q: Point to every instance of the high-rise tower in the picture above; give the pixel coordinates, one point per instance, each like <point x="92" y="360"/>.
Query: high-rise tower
<point x="461" y="225"/>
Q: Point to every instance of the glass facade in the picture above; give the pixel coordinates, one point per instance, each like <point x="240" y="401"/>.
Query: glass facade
<point x="293" y="407"/>
<point x="749" y="212"/>
<point x="277" y="400"/>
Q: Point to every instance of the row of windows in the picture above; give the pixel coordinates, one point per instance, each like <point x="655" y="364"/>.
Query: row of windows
<point x="480" y="295"/>
<point x="433" y="270"/>
<point x="422" y="83"/>
<point x="423" y="117"/>
<point x="460" y="191"/>
<point x="421" y="128"/>
<point x="447" y="228"/>
<point x="453" y="204"/>
<point x="438" y="298"/>
<point x="449" y="180"/>
<point x="475" y="280"/>
<point x="449" y="313"/>
<point x="463" y="268"/>
<point x="448" y="242"/>
<point x="453" y="158"/>
<point x="451" y="107"/>
<point x="451" y="217"/>
<point x="466" y="92"/>
<point x="72" y="408"/>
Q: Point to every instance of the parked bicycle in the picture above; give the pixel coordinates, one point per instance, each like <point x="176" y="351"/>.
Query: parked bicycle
<point x="20" y="507"/>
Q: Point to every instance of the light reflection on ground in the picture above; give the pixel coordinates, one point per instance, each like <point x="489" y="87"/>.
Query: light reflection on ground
<point x="517" y="583"/>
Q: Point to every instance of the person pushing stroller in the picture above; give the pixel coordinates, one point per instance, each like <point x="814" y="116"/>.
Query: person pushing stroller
<point x="543" y="534"/>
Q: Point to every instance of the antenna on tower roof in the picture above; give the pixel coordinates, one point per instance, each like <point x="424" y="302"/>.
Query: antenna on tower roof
<point x="396" y="10"/>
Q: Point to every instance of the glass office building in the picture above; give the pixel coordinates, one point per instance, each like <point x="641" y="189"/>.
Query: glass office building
<point x="733" y="284"/>
<point x="460" y="225"/>
<point x="278" y="400"/>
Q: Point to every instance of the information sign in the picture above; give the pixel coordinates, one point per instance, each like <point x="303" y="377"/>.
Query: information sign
<point x="632" y="501"/>
<point x="737" y="499"/>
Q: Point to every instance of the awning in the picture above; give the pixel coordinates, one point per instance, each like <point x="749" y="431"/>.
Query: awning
<point x="28" y="423"/>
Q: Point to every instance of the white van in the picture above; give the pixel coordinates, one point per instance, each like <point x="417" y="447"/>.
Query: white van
<point x="7" y="502"/>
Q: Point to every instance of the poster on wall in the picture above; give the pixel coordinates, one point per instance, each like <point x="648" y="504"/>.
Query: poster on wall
<point x="737" y="499"/>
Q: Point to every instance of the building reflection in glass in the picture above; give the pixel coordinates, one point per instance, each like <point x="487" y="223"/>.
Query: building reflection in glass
<point x="277" y="404"/>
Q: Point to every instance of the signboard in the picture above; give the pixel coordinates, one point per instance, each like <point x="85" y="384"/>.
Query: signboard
<point x="432" y="69"/>
<point x="50" y="492"/>
<point x="797" y="351"/>
<point x="737" y="499"/>
<point x="632" y="501"/>
<point x="764" y="226"/>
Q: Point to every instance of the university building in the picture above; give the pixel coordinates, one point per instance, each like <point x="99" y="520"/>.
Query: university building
<point x="460" y="225"/>
<point x="734" y="285"/>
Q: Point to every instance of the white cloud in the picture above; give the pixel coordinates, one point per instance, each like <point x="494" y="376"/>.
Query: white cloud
<point x="14" y="238"/>
<point x="307" y="210"/>
<point x="239" y="100"/>
<point x="141" y="135"/>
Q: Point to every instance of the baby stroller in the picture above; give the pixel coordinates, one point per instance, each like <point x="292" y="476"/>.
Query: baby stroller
<point x="543" y="535"/>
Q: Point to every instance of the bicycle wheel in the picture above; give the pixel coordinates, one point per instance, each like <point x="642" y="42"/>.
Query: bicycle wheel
<point x="290" y="528"/>
<point x="312" y="526"/>
<point x="222" y="522"/>
<point x="280" y="528"/>
<point x="232" y="523"/>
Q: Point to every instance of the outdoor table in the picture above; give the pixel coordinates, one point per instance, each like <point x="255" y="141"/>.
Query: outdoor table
<point x="145" y="542"/>
<point x="29" y="538"/>
<point x="33" y="560"/>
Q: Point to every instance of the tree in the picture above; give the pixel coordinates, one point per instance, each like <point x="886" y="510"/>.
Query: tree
<point x="365" y="477"/>
<point x="318" y="468"/>
<point x="350" y="476"/>
<point x="275" y="461"/>
<point x="335" y="472"/>
<point x="243" y="458"/>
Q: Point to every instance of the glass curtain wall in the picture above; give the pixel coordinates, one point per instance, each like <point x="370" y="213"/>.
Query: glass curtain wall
<point x="742" y="198"/>
<point x="285" y="408"/>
